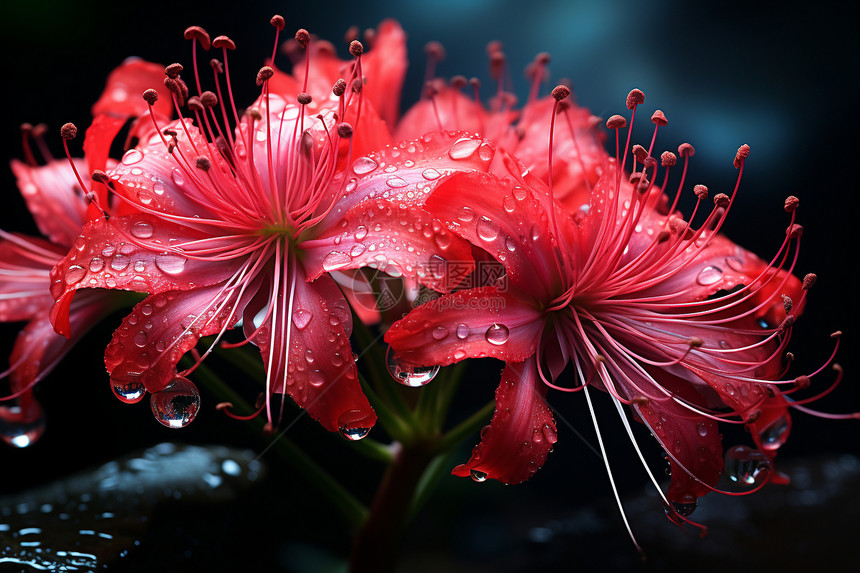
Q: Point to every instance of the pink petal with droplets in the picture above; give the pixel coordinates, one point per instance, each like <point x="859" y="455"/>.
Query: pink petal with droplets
<point x="54" y="198"/>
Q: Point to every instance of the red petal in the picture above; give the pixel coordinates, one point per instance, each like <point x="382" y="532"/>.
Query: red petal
<point x="521" y="434"/>
<point x="24" y="266"/>
<point x="97" y="141"/>
<point x="160" y="330"/>
<point x="54" y="198"/>
<point x="455" y="111"/>
<point x="385" y="68"/>
<point x="122" y="96"/>
<point x="395" y="239"/>
<point x="467" y="324"/>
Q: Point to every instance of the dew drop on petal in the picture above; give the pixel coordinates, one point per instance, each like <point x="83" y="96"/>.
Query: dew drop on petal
<point x="142" y="229"/>
<point x="745" y="465"/>
<point x="17" y="431"/>
<point x="685" y="509"/>
<point x="509" y="204"/>
<point x="315" y="378"/>
<point x="709" y="275"/>
<point x="510" y="244"/>
<point x="519" y="193"/>
<point x="353" y="425"/>
<point x="440" y="333"/>
<point x="336" y="260"/>
<point x="702" y="429"/>
<point x="409" y="374"/>
<point x="178" y="177"/>
<point x="130" y="392"/>
<point x="301" y="318"/>
<point x="357" y="250"/>
<point x="497" y="334"/>
<point x="735" y="264"/>
<point x="535" y="232"/>
<point x="487" y="229"/>
<point x="360" y="232"/>
<point x="97" y="264"/>
<point x="396" y="182"/>
<point x="477" y="476"/>
<point x="459" y="354"/>
<point x="364" y="165"/>
<point x="170" y="263"/>
<point x="431" y="174"/>
<point x="119" y="262"/>
<point x="354" y="434"/>
<point x="140" y="339"/>
<point x="176" y="405"/>
<point x="132" y="156"/>
<point x="776" y="433"/>
<point x="465" y="214"/>
<point x="74" y="274"/>
<point x="463" y="148"/>
<point x="462" y="331"/>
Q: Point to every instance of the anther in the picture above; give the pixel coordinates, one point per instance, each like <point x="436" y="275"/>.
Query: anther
<point x="304" y="98"/>
<point x="344" y="130"/>
<point x="743" y="153"/>
<point x="194" y="104"/>
<point x="802" y="381"/>
<point x="173" y="70"/>
<point x="169" y="133"/>
<point x="264" y="74"/>
<point x="639" y="152"/>
<point x="836" y="334"/>
<point x="268" y="429"/>
<point x="223" y="42"/>
<point x="150" y="96"/>
<point x="634" y="98"/>
<point x="659" y="118"/>
<point x="787" y="322"/>
<point x="475" y="83"/>
<point x="458" y="82"/>
<point x="216" y="65"/>
<point x="616" y="122"/>
<point x="696" y="342"/>
<point x="221" y="406"/>
<point x="809" y="281"/>
<point x="787" y="303"/>
<point x="100" y="176"/>
<point x="668" y="159"/>
<point x="203" y="163"/>
<point x="430" y="90"/>
<point x="355" y="48"/>
<point x="68" y="131"/>
<point x="255" y="114"/>
<point x="199" y="34"/>
<point x="560" y="92"/>
<point x="303" y="37"/>
<point x="721" y="200"/>
<point x="791" y="203"/>
<point x="435" y="50"/>
<point x="701" y="192"/>
<point x="640" y="400"/>
<point x="753" y="416"/>
<point x="497" y="64"/>
<point x="794" y="231"/>
<point x="278" y="22"/>
<point x="356" y="85"/>
<point x="789" y="356"/>
<point x="686" y="150"/>
<point x="209" y="99"/>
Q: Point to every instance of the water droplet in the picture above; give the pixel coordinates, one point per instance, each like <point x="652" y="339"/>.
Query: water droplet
<point x="487" y="229"/>
<point x="463" y="148"/>
<point x="119" y="262"/>
<point x="509" y="204"/>
<point x="510" y="244"/>
<point x="357" y="250"/>
<point x="497" y="334"/>
<point x="709" y="275"/>
<point x="685" y="509"/>
<point x="132" y="156"/>
<point x="74" y="274"/>
<point x="735" y="264"/>
<point x="178" y="177"/>
<point x="301" y="318"/>
<point x="409" y="374"/>
<point x="140" y="339"/>
<point x="431" y="174"/>
<point x="354" y="434"/>
<point x="465" y="214"/>
<point x="130" y="393"/>
<point x="170" y="263"/>
<point x="535" y="232"/>
<point x="702" y="429"/>
<point x="97" y="264"/>
<point x="142" y="229"/>
<point x="176" y="405"/>
<point x="396" y="182"/>
<point x="443" y="240"/>
<point x="462" y="331"/>
<point x="478" y="476"/>
<point x="486" y="152"/>
<point x="315" y="378"/>
<point x="745" y="465"/>
<point x="459" y="354"/>
<point x="440" y="333"/>
<point x="364" y="165"/>
<point x="550" y="433"/>
<point x="776" y="433"/>
<point x="336" y="260"/>
<point x="519" y="193"/>
<point x="18" y="430"/>
<point x="108" y="251"/>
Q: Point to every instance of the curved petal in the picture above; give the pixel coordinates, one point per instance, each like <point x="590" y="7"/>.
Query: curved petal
<point x="160" y="330"/>
<point x="473" y="323"/>
<point x="521" y="434"/>
<point x="449" y="109"/>
<point x="122" y="96"/>
<point x="395" y="239"/>
<point x="384" y="66"/>
<point x="24" y="266"/>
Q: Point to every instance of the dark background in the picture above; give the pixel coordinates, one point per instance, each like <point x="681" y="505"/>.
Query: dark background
<point x="782" y="80"/>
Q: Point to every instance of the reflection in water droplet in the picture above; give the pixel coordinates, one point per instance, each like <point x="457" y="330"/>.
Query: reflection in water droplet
<point x="20" y="430"/>
<point x="97" y="264"/>
<point x="478" y="476"/>
<point x="776" y="433"/>
<point x="178" y="177"/>
<point x="745" y="465"/>
<point x="709" y="275"/>
<point x="176" y="405"/>
<point x="336" y="260"/>
<point x="354" y="425"/>
<point x="132" y="156"/>
<point x="364" y="165"/>
<point x="130" y="393"/>
<point x="463" y="148"/>
<point x="396" y="182"/>
<point x="170" y="263"/>
<point x="440" y="333"/>
<point x="301" y="318"/>
<point x="360" y="232"/>
<point x="487" y="229"/>
<point x="409" y="374"/>
<point x="685" y="509"/>
<point x="462" y="331"/>
<point x="354" y="434"/>
<point x="497" y="334"/>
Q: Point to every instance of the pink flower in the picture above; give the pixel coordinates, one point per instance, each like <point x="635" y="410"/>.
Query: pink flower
<point x="60" y="208"/>
<point x="249" y="223"/>
<point x="667" y="316"/>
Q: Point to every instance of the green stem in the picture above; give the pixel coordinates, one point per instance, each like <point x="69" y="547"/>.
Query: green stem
<point x="468" y="426"/>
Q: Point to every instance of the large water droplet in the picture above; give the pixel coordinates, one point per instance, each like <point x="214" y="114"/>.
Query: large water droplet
<point x="97" y="264"/>
<point x="315" y="378"/>
<point x="176" y="405"/>
<point x="20" y="431"/>
<point x="74" y="274"/>
<point x="170" y="263"/>
<point x="130" y="393"/>
<point x="396" y="182"/>
<point x="119" y="262"/>
<point x="409" y="374"/>
<point x="745" y="465"/>
<point x="709" y="275"/>
<point x="465" y="214"/>
<point x="431" y="174"/>
<point x="301" y="318"/>
<point x="336" y="260"/>
<point x="685" y="509"/>
<point x="487" y="229"/>
<point x="353" y="425"/>
<point x="178" y="177"/>
<point x="735" y="264"/>
<point x="463" y="148"/>
<point x="478" y="476"/>
<point x="776" y="433"/>
<point x="462" y="331"/>
<point x="440" y="333"/>
<point x="364" y="165"/>
<point x="142" y="229"/>
<point x="497" y="334"/>
<point x="132" y="156"/>
<point x="354" y="434"/>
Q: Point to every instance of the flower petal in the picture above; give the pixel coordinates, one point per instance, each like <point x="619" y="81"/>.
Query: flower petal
<point x="24" y="266"/>
<point x="384" y="66"/>
<point x="449" y="109"/>
<point x="471" y="323"/>
<point x="54" y="197"/>
<point x="521" y="434"/>
<point x="122" y="96"/>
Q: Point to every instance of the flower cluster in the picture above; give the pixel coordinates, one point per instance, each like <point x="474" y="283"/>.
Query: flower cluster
<point x="258" y="218"/>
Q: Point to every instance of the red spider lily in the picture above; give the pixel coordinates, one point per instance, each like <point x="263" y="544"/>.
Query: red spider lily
<point x="247" y="224"/>
<point x="669" y="318"/>
<point x="60" y="208"/>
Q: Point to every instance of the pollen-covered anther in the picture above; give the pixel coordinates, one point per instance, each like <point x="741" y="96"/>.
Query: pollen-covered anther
<point x="278" y="22"/>
<point x="686" y="150"/>
<point x="199" y="34"/>
<point x="208" y="99"/>
<point x="150" y="96"/>
<point x="634" y="98"/>
<point x="264" y="74"/>
<point x="458" y="82"/>
<point x="837" y="334"/>
<point x="639" y="152"/>
<point x="659" y="118"/>
<point x="802" y="382"/>
<point x="640" y="400"/>
<point x="649" y="163"/>
<point x="794" y="231"/>
<point x="100" y="176"/>
<point x="635" y="177"/>
<point x="701" y="192"/>
<point x="339" y="87"/>
<point x="809" y="281"/>
<point x="753" y="416"/>
<point x="194" y="104"/>
<point x="435" y="50"/>
<point x="787" y="323"/>
<point x="357" y="86"/>
<point x="356" y="48"/>
<point x="791" y="203"/>
<point x="789" y="356"/>
<point x="216" y="65"/>
<point x="173" y="70"/>
<point x="787" y="303"/>
<point x="696" y="342"/>
<point x="721" y="200"/>
<point x="616" y="122"/>
<point x="304" y="98"/>
<point x="344" y="130"/>
<point x="741" y="155"/>
<point x="643" y="185"/>
<point x="560" y="92"/>
<point x="255" y="114"/>
<point x="203" y="163"/>
<point x="224" y="42"/>
<point x="668" y="159"/>
<point x="303" y="37"/>
<point x="68" y="131"/>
